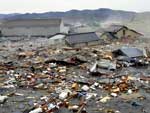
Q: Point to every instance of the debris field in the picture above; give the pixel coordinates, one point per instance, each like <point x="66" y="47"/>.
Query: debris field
<point x="94" y="79"/>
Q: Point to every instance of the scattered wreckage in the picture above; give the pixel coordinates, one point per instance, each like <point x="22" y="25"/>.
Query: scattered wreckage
<point x="83" y="81"/>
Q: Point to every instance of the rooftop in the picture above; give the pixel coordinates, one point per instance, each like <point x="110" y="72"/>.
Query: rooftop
<point x="82" y="37"/>
<point x="31" y="22"/>
<point x="115" y="28"/>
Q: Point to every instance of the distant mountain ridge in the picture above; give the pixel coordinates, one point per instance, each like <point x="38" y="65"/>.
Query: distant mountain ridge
<point x="76" y="15"/>
<point x="3" y="16"/>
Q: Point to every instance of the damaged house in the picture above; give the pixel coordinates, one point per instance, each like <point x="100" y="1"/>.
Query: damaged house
<point x="120" y="32"/>
<point x="82" y="39"/>
<point x="129" y="52"/>
<point x="131" y="56"/>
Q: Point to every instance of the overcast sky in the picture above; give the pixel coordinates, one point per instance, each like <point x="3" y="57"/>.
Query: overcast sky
<point x="30" y="6"/>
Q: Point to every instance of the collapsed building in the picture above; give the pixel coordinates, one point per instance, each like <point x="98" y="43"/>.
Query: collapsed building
<point x="120" y="32"/>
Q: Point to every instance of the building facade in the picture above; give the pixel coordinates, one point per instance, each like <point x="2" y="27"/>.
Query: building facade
<point x="33" y="27"/>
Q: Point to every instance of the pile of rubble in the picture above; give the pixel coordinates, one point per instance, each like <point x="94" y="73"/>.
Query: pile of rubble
<point x="78" y="80"/>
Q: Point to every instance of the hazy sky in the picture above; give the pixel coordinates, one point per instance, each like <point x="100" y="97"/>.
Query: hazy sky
<point x="24" y="6"/>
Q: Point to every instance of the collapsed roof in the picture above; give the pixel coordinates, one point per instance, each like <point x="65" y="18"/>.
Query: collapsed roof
<point x="129" y="52"/>
<point x="116" y="28"/>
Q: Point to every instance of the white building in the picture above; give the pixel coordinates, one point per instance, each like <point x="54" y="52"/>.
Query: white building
<point x="58" y="39"/>
<point x="33" y="27"/>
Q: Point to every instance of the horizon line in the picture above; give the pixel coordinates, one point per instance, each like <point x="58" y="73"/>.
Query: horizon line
<point x="72" y="10"/>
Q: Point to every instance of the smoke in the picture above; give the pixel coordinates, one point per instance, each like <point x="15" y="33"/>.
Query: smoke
<point x="113" y="20"/>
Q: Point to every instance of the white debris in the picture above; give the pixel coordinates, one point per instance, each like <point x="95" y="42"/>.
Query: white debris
<point x="130" y="91"/>
<point x="51" y="106"/>
<point x="44" y="98"/>
<point x="147" y="82"/>
<point x="63" y="95"/>
<point x="114" y="94"/>
<point x="3" y="98"/>
<point x="90" y="95"/>
<point x="19" y="94"/>
<point x="117" y="112"/>
<point x="145" y="52"/>
<point x="75" y="107"/>
<point x="105" y="99"/>
<point x="93" y="87"/>
<point x="38" y="110"/>
<point x="85" y="88"/>
<point x="93" y="69"/>
<point x="96" y="84"/>
<point x="8" y="86"/>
